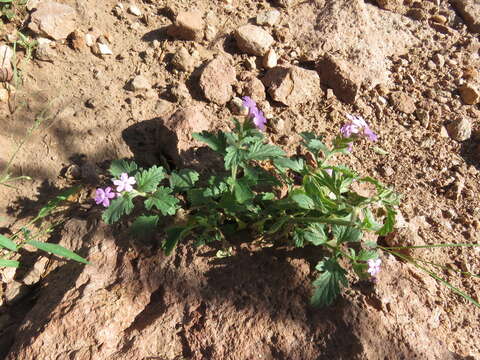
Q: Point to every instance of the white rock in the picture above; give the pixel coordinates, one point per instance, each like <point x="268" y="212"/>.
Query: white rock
<point x="270" y="59"/>
<point x="6" y="54"/>
<point x="253" y="40"/>
<point x="140" y="82"/>
<point x="104" y="49"/>
<point x="3" y="95"/>
<point x="135" y="10"/>
<point x="89" y="40"/>
<point x="237" y="108"/>
<point x="268" y="18"/>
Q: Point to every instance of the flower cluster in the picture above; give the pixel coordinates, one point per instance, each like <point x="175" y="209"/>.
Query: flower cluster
<point x="357" y="126"/>
<point x="103" y="196"/>
<point x="374" y="267"/>
<point x="255" y="114"/>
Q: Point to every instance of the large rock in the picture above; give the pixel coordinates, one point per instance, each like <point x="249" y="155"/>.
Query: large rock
<point x="292" y="85"/>
<point x="354" y="30"/>
<point x="344" y="78"/>
<point x="53" y="20"/>
<point x="217" y="79"/>
<point x="470" y="12"/>
<point x="188" y="25"/>
<point x="253" y="40"/>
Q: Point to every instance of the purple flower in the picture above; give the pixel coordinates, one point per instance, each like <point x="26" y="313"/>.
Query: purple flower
<point x="357" y="126"/>
<point x="103" y="196"/>
<point x="125" y="183"/>
<point x="374" y="266"/>
<point x="255" y="114"/>
<point x="329" y="171"/>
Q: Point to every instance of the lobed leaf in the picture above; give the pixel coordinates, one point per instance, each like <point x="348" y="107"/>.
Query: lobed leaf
<point x="144" y="226"/>
<point x="118" y="167"/>
<point x="163" y="201"/>
<point x="327" y="285"/>
<point x="343" y="233"/>
<point x="216" y="142"/>
<point x="118" y="207"/>
<point x="183" y="179"/>
<point x="148" y="180"/>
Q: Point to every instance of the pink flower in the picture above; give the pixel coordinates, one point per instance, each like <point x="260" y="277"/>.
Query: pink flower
<point x="374" y="266"/>
<point x="357" y="126"/>
<point x="256" y="115"/>
<point x="103" y="196"/>
<point x="125" y="183"/>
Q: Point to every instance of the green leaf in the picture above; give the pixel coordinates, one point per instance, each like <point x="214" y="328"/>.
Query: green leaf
<point x="163" y="201"/>
<point x="313" y="143"/>
<point x="299" y="237"/>
<point x="217" y="142"/>
<point x="118" y="167"/>
<point x="144" y="226"/>
<point x="365" y="255"/>
<point x="52" y="204"/>
<point x="174" y="235"/>
<point x="260" y="151"/>
<point x="389" y="222"/>
<point x="315" y="233"/>
<point x="268" y="196"/>
<point x="216" y="187"/>
<point x="302" y="199"/>
<point x="118" y="207"/>
<point x="7" y="243"/>
<point x="242" y="192"/>
<point x="369" y="221"/>
<point x="327" y="285"/>
<point x="9" y="263"/>
<point x="148" y="180"/>
<point x="344" y="233"/>
<point x="282" y="163"/>
<point x="57" y="250"/>
<point x="232" y="158"/>
<point x="183" y="180"/>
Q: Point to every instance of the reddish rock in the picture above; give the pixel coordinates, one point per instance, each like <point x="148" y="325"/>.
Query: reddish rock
<point x="253" y="40"/>
<point x="217" y="79"/>
<point x="403" y="102"/>
<point x="53" y="20"/>
<point x="292" y="85"/>
<point x="470" y="12"/>
<point x="469" y="93"/>
<point x="254" y="88"/>
<point x="345" y="79"/>
<point x="188" y="25"/>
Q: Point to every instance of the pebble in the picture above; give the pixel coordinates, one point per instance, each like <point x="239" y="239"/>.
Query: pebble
<point x="134" y="10"/>
<point x="403" y="102"/>
<point x="182" y="60"/>
<point x="188" y="25"/>
<point x="469" y="93"/>
<point x="180" y="93"/>
<point x="139" y="83"/>
<point x="45" y="52"/>
<point x="439" y="60"/>
<point x="253" y="40"/>
<point x="268" y="18"/>
<point x="460" y="130"/>
<point x="237" y="108"/>
<point x="270" y="59"/>
<point x="251" y="63"/>
<point x="217" y="79"/>
<point x="439" y="19"/>
<point x="54" y="20"/>
<point x="101" y="49"/>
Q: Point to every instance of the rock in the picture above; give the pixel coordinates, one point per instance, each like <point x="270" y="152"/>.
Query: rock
<point x="391" y="5"/>
<point x="470" y="12"/>
<point x="90" y="39"/>
<point x="188" y="25"/>
<point x="6" y="55"/>
<point x="407" y="235"/>
<point x="183" y="61"/>
<point x="292" y="85"/>
<point x="469" y="93"/>
<point x="254" y="88"/>
<point x="253" y="40"/>
<point x="343" y="78"/>
<point x="282" y="3"/>
<point x="439" y="19"/>
<point x="77" y="40"/>
<point x="175" y="137"/>
<point x="439" y="60"/>
<point x="217" y="79"/>
<point x="210" y="32"/>
<point x="44" y="52"/>
<point x="101" y="49"/>
<point x="134" y="10"/>
<point x="36" y="273"/>
<point x="32" y="4"/>
<point x="139" y="83"/>
<point x="403" y="102"/>
<point x="180" y="93"/>
<point x="268" y="18"/>
<point x="270" y="59"/>
<point x="53" y="20"/>
<point x="4" y="95"/>
<point x="237" y="108"/>
<point x="15" y="292"/>
<point x="460" y="130"/>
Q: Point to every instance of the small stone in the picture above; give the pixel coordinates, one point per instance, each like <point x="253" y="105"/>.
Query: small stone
<point x="387" y="171"/>
<point x="431" y="65"/>
<point x="134" y="10"/>
<point x="469" y="93"/>
<point x="270" y="59"/>
<point x="73" y="172"/>
<point x="162" y="107"/>
<point x="443" y="132"/>
<point x="292" y="85"/>
<point x="210" y="32"/>
<point x="77" y="40"/>
<point x="460" y="130"/>
<point x="439" y="60"/>
<point x="8" y="274"/>
<point x="101" y="49"/>
<point x="89" y="40"/>
<point x="45" y="52"/>
<point x="439" y="19"/>
<point x="4" y="95"/>
<point x="188" y="25"/>
<point x="254" y="88"/>
<point x="54" y="20"/>
<point x="217" y="79"/>
<point x="139" y="83"/>
<point x="183" y="61"/>
<point x="15" y="292"/>
<point x="237" y="108"/>
<point x="330" y="94"/>
<point x="343" y="78"/>
<point x="180" y="93"/>
<point x="36" y="273"/>
<point x="470" y="73"/>
<point x="251" y="63"/>
<point x="91" y="103"/>
<point x="423" y="116"/>
<point x="253" y="40"/>
<point x="403" y="102"/>
<point x="268" y="18"/>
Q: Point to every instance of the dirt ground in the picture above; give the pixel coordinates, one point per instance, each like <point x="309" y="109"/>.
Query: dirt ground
<point x="135" y="303"/>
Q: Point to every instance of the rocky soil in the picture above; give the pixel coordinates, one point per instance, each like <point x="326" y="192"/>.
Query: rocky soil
<point x="118" y="79"/>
